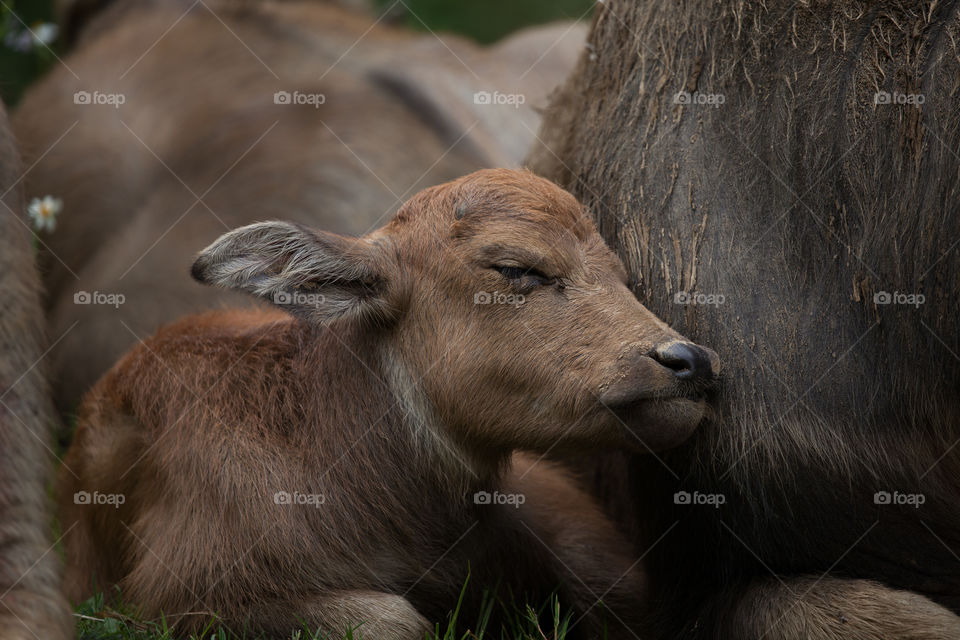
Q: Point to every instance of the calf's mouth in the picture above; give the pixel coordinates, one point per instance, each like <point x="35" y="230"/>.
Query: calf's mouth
<point x="662" y="396"/>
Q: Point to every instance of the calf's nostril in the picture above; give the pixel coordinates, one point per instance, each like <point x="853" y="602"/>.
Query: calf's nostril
<point x="687" y="360"/>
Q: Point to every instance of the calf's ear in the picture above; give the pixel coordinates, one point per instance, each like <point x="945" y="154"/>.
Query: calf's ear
<point x="315" y="275"/>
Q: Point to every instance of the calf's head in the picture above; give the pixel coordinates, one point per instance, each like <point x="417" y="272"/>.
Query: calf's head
<point x="499" y="301"/>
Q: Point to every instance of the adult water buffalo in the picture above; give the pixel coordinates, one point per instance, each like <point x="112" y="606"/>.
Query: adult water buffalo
<point x="781" y="180"/>
<point x="172" y="122"/>
<point x="31" y="605"/>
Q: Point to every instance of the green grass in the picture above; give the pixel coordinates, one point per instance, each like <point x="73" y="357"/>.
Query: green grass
<point x="484" y="20"/>
<point x="19" y="68"/>
<point x="98" y="620"/>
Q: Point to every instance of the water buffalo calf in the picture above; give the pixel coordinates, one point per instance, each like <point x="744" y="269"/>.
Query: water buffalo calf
<point x="347" y="460"/>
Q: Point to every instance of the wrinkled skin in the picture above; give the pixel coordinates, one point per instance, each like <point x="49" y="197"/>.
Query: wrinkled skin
<point x="802" y="198"/>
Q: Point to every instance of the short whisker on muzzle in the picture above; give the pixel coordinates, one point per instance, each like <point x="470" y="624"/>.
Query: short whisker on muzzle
<point x="697" y="389"/>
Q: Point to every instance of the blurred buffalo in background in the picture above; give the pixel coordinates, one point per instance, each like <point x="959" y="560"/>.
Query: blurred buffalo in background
<point x="172" y="122"/>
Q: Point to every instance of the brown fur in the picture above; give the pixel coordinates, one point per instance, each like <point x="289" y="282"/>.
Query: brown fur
<point x="31" y="604"/>
<point x="398" y="397"/>
<point x="798" y="199"/>
<point x="199" y="120"/>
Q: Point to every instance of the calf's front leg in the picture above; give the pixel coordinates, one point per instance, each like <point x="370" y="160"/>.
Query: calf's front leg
<point x="601" y="581"/>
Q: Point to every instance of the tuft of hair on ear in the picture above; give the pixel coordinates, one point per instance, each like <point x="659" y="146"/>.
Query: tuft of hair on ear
<point x="314" y="275"/>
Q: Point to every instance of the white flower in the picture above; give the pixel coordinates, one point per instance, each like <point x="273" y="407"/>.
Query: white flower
<point x="44" y="33"/>
<point x="43" y="212"/>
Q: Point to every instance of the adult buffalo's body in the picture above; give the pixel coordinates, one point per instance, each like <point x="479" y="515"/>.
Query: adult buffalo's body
<point x="171" y="122"/>
<point x="31" y="605"/>
<point x="781" y="180"/>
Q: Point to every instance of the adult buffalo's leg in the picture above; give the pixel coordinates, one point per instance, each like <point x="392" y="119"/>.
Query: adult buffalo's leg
<point x="31" y="605"/>
<point x="827" y="608"/>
